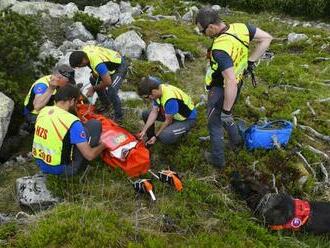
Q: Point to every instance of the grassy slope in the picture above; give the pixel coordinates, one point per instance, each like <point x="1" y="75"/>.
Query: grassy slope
<point x="104" y="211"/>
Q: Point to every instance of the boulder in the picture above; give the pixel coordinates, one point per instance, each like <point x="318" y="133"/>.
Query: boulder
<point x="4" y="218"/>
<point x="128" y="95"/>
<point x="130" y="44"/>
<point x="76" y="44"/>
<point x="32" y="193"/>
<point x="125" y="7"/>
<point x="293" y="37"/>
<point x="137" y="10"/>
<point x="161" y="17"/>
<point x="6" y="109"/>
<point x="54" y="10"/>
<point x="125" y="18"/>
<point x="164" y="53"/>
<point x="48" y="49"/>
<point x="6" y="3"/>
<point x="108" y="13"/>
<point x="78" y="31"/>
<point x="216" y="8"/>
<point x="105" y="41"/>
<point x="189" y="16"/>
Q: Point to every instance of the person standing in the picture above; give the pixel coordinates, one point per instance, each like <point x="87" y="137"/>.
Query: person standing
<point x="229" y="59"/>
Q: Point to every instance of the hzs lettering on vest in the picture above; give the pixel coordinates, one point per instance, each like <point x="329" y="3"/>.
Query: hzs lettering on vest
<point x="41" y="132"/>
<point x="41" y="154"/>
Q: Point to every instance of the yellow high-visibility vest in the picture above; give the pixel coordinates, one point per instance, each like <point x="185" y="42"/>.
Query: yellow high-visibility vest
<point x="234" y="42"/>
<point x="28" y="102"/>
<point x="186" y="104"/>
<point x="97" y="55"/>
<point x="51" y="130"/>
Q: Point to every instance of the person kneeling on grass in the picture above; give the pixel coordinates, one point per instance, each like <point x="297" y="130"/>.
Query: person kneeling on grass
<point x="61" y="144"/>
<point x="171" y="106"/>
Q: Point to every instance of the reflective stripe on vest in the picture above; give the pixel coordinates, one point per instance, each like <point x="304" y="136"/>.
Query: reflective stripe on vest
<point x="28" y="102"/>
<point x="97" y="55"/>
<point x="185" y="103"/>
<point x="51" y="127"/>
<point x="234" y="48"/>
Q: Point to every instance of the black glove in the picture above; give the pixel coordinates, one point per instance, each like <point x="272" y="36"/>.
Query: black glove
<point x="249" y="70"/>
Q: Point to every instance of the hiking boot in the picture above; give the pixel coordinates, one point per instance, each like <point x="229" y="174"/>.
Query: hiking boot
<point x="209" y="159"/>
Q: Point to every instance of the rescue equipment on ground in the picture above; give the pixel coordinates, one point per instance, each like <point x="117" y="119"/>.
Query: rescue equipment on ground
<point x="126" y="152"/>
<point x="268" y="135"/>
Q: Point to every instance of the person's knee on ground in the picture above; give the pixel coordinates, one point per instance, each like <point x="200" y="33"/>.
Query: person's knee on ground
<point x="168" y="138"/>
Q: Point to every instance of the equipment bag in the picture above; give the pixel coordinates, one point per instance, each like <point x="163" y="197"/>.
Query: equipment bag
<point x="266" y="136"/>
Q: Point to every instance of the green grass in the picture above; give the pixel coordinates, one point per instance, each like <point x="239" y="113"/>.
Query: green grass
<point x="103" y="210"/>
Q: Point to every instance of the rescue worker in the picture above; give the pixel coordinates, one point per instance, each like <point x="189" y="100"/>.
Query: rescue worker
<point x="229" y="59"/>
<point x="61" y="144"/>
<point x="42" y="93"/>
<point x="109" y="69"/>
<point x="171" y="106"/>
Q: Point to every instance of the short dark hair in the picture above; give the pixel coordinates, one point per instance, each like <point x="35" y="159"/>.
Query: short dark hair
<point x="76" y="57"/>
<point x="207" y="16"/>
<point x="148" y="84"/>
<point x="66" y="71"/>
<point x="67" y="93"/>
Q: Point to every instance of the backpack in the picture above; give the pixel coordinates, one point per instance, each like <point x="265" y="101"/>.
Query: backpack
<point x="267" y="135"/>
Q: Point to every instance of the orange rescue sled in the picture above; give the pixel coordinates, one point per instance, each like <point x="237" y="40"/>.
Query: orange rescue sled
<point x="123" y="149"/>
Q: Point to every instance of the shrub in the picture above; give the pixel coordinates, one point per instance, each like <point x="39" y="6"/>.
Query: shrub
<point x="91" y="23"/>
<point x="305" y="8"/>
<point x="22" y="34"/>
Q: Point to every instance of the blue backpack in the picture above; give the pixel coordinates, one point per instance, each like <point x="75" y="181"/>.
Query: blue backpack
<point x="264" y="136"/>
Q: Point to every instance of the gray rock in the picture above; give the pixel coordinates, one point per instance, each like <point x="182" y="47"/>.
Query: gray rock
<point x="125" y="6"/>
<point x="6" y="109"/>
<point x="48" y="49"/>
<point x="164" y="53"/>
<point x="130" y="44"/>
<point x="161" y="17"/>
<point x="32" y="193"/>
<point x="6" y="3"/>
<point x="105" y="41"/>
<point x="108" y="13"/>
<point x="125" y="18"/>
<point x="78" y="31"/>
<point x="149" y="9"/>
<point x="76" y="44"/>
<point x="216" y="8"/>
<point x="307" y="25"/>
<point x="293" y="37"/>
<point x="128" y="95"/>
<point x="137" y="10"/>
<point x="54" y="10"/>
<point x="4" y="218"/>
<point x="188" y="17"/>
